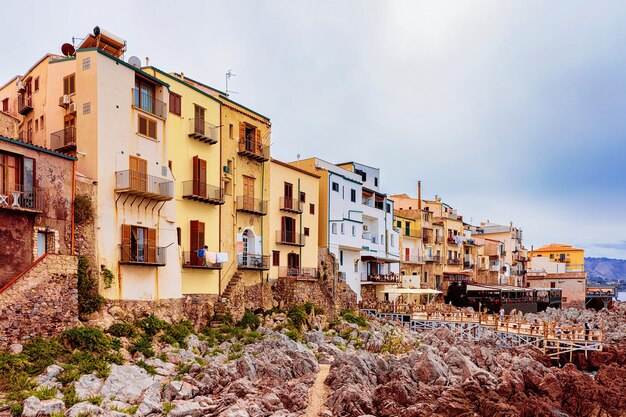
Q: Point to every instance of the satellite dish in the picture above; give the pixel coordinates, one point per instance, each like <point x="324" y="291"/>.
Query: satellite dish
<point x="134" y="61"/>
<point x="68" y="49"/>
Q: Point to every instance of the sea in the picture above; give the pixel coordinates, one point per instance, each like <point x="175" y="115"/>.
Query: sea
<point x="621" y="295"/>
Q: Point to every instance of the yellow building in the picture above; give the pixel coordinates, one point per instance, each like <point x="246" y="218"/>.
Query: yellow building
<point x="293" y="219"/>
<point x="193" y="151"/>
<point x="558" y="252"/>
<point x="408" y="222"/>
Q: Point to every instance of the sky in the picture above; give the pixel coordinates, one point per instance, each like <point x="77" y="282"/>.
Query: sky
<point x="509" y="111"/>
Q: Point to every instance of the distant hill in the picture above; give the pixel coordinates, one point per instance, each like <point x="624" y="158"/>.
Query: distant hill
<point x="605" y="269"/>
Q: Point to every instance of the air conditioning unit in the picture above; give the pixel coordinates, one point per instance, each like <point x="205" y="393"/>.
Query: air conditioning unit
<point x="365" y="228"/>
<point x="64" y="100"/>
<point x="72" y="108"/>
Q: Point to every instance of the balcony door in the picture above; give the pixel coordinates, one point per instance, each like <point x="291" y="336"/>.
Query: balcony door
<point x="293" y="264"/>
<point x="199" y="119"/>
<point x="288" y="233"/>
<point x="138" y="174"/>
<point x="196" y="241"/>
<point x="248" y="193"/>
<point x="288" y="194"/>
<point x="407" y="254"/>
<point x="144" y="98"/>
<point x="199" y="176"/>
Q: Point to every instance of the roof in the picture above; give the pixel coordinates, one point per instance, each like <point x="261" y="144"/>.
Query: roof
<point x="357" y="163"/>
<point x="295" y="168"/>
<point x="554" y="247"/>
<point x="37" y="148"/>
<point x="182" y="81"/>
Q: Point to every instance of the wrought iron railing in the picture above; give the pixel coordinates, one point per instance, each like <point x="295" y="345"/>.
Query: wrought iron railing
<point x="254" y="149"/>
<point x="249" y="261"/>
<point x="287" y="237"/>
<point x="291" y="204"/>
<point x="21" y="198"/>
<point x="24" y="103"/>
<point x="143" y="255"/>
<point x="297" y="272"/>
<point x="203" y="131"/>
<point x="195" y="190"/>
<point x="63" y="139"/>
<point x="26" y="136"/>
<point x="140" y="183"/>
<point x="251" y="205"/>
<point x="147" y="102"/>
<point x="193" y="259"/>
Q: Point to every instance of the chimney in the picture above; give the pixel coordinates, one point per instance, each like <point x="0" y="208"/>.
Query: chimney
<point x="419" y="195"/>
<point x="147" y="61"/>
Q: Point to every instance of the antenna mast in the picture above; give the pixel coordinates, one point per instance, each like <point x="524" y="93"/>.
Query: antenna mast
<point x="228" y="75"/>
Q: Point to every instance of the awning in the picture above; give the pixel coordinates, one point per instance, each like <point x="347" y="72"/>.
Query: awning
<point x="413" y="291"/>
<point x="371" y="258"/>
<point x="458" y="273"/>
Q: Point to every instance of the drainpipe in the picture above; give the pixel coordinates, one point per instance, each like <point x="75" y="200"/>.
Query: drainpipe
<point x="301" y="237"/>
<point x="219" y="212"/>
<point x="73" y="197"/>
<point x="262" y="195"/>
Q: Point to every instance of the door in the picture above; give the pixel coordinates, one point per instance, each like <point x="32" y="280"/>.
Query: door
<point x="407" y="254"/>
<point x="138" y="173"/>
<point x="248" y="193"/>
<point x="145" y="95"/>
<point x="199" y="177"/>
<point x="288" y="195"/>
<point x="245" y="238"/>
<point x="293" y="264"/>
<point x="288" y="229"/>
<point x="42" y="243"/>
<point x="196" y="241"/>
<point x="199" y="119"/>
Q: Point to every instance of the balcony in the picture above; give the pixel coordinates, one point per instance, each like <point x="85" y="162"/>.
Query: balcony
<point x="427" y="239"/>
<point x="454" y="261"/>
<point x="411" y="233"/>
<point x="203" y="131"/>
<point x="341" y="276"/>
<point x="451" y="239"/>
<point x="438" y="239"/>
<point x="286" y="237"/>
<point x="456" y="277"/>
<point x="143" y="255"/>
<point x="254" y="149"/>
<point x="251" y="205"/>
<point x="414" y="259"/>
<point x="144" y="101"/>
<point x="193" y="261"/>
<point x="26" y="136"/>
<point x="24" y="103"/>
<point x="204" y="193"/>
<point x="64" y="140"/>
<point x="297" y="273"/>
<point x="382" y="278"/>
<point x="144" y="185"/>
<point x="494" y="268"/>
<point x="19" y="200"/>
<point x="257" y="262"/>
<point x="291" y="205"/>
<point x="432" y="258"/>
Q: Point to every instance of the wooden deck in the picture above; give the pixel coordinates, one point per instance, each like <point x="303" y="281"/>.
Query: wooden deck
<point x="550" y="338"/>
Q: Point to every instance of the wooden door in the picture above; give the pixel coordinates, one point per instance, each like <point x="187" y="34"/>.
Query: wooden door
<point x="407" y="254"/>
<point x="199" y="177"/>
<point x="288" y="195"/>
<point x="196" y="241"/>
<point x="138" y="175"/>
<point x="151" y="246"/>
<point x="293" y="264"/>
<point x="248" y="193"/>
<point x="198" y="119"/>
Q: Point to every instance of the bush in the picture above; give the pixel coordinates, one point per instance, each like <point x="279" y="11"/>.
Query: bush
<point x="176" y="334"/>
<point x="41" y="353"/>
<point x="224" y="319"/>
<point x="122" y="329"/>
<point x="151" y="370"/>
<point x="87" y="363"/>
<point x="87" y="339"/>
<point x="107" y="276"/>
<point x="89" y="300"/>
<point x="249" y="320"/>
<point x="151" y="325"/>
<point x="142" y="344"/>
<point x="354" y="318"/>
<point x="298" y="315"/>
<point x="83" y="209"/>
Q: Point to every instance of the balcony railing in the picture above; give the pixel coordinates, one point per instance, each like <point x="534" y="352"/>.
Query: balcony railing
<point x="297" y="272"/>
<point x="254" y="149"/>
<point x="341" y="276"/>
<point x="438" y="239"/>
<point x="205" y="193"/>
<point x="432" y="258"/>
<point x="252" y="205"/>
<point x="137" y="183"/>
<point x="20" y="199"/>
<point x="427" y="239"/>
<point x="248" y="261"/>
<point x="26" y="136"/>
<point x="381" y="278"/>
<point x="413" y="259"/>
<point x="63" y="140"/>
<point x="24" y="103"/>
<point x="291" y="204"/>
<point x="411" y="233"/>
<point x="192" y="260"/>
<point x="146" y="102"/>
<point x="494" y="268"/>
<point x="454" y="261"/>
<point x="143" y="255"/>
<point x="203" y="131"/>
<point x="451" y="239"/>
<point x="286" y="237"/>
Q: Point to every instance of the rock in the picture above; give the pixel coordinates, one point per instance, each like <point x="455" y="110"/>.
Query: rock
<point x="33" y="407"/>
<point x="83" y="409"/>
<point x="126" y="383"/>
<point x="430" y="369"/>
<point x="271" y="402"/>
<point x="51" y="372"/>
<point x="184" y="408"/>
<point x="88" y="386"/>
<point x="150" y="401"/>
<point x="16" y="348"/>
<point x="179" y="390"/>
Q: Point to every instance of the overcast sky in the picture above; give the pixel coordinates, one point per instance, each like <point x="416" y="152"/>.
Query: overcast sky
<point x="510" y="111"/>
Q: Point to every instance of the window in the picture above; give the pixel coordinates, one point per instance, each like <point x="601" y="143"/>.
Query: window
<point x="41" y="125"/>
<point x="333" y="228"/>
<point x="399" y="224"/>
<point x="36" y="125"/>
<point x="388" y="208"/>
<point x="147" y="127"/>
<point x="302" y="196"/>
<point x="306" y="231"/>
<point x="353" y="231"/>
<point x="5" y="105"/>
<point x="179" y="234"/>
<point x="139" y="244"/>
<point x="175" y="103"/>
<point x="425" y="276"/>
<point x="335" y="186"/>
<point x="36" y="84"/>
<point x="86" y="63"/>
<point x="312" y="208"/>
<point x="275" y="258"/>
<point x="353" y="195"/>
<point x="138" y="173"/>
<point x="169" y="165"/>
<point x="144" y="95"/>
<point x="356" y="266"/>
<point x="553" y="285"/>
<point x="17" y="173"/>
<point x="86" y="108"/>
<point x="69" y="84"/>
<point x="230" y="131"/>
<point x="376" y="181"/>
<point x="393" y="241"/>
<point x="343" y="229"/>
<point x="341" y="257"/>
<point x="228" y="187"/>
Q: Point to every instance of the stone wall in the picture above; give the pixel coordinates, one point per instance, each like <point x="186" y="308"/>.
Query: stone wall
<point x="42" y="302"/>
<point x="9" y="125"/>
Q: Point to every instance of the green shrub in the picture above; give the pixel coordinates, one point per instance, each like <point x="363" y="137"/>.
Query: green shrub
<point x="70" y="397"/>
<point x="176" y="334"/>
<point x="142" y="344"/>
<point x="107" y="276"/>
<point x="122" y="329"/>
<point x="87" y="339"/>
<point x="293" y="335"/>
<point x="151" y="325"/>
<point x="95" y="400"/>
<point x="19" y="385"/>
<point x="308" y="307"/>
<point x="298" y="315"/>
<point x="151" y="370"/>
<point x="249" y="320"/>
<point x="354" y="318"/>
<point x="45" y="393"/>
<point x="41" y="353"/>
<point x="83" y="209"/>
<point x="167" y="407"/>
<point x="16" y="409"/>
<point x="234" y="356"/>
<point x="87" y="363"/>
<point x="225" y="319"/>
<point x="89" y="300"/>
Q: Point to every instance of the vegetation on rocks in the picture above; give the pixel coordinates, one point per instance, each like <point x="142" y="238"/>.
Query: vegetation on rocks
<point x="89" y="300"/>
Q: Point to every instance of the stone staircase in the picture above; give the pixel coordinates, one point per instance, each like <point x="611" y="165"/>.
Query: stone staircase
<point x="224" y="304"/>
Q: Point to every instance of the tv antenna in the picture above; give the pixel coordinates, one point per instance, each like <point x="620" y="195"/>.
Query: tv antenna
<point x="228" y="75"/>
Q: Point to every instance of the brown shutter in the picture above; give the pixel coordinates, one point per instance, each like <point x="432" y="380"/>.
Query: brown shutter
<point x="201" y="234"/>
<point x="242" y="131"/>
<point x="152" y="246"/>
<point x="193" y="242"/>
<point x="202" y="177"/>
<point x="283" y="229"/>
<point x="152" y="126"/>
<point x="143" y="127"/>
<point x="126" y="242"/>
<point x="142" y="169"/>
<point x="196" y="188"/>
<point x="257" y="140"/>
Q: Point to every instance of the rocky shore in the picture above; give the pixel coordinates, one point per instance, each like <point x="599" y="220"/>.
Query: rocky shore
<point x="152" y="368"/>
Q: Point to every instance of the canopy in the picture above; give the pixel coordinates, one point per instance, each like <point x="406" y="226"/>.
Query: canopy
<point x="413" y="291"/>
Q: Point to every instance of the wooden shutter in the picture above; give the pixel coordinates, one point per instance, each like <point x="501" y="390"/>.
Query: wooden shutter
<point x="152" y="129"/>
<point x="142" y="173"/>
<point x="193" y="242"/>
<point x="151" y="246"/>
<point x="143" y="125"/>
<point x="257" y="140"/>
<point x="196" y="186"/>
<point x="202" y="177"/>
<point x="242" y="131"/>
<point x="126" y="242"/>
<point x="283" y="229"/>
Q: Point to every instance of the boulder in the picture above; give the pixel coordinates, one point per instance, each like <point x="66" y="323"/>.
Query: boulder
<point x="33" y="407"/>
<point x="179" y="390"/>
<point x="88" y="386"/>
<point x="127" y="383"/>
<point x="83" y="409"/>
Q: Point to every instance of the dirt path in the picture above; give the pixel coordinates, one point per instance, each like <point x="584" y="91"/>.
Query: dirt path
<point x="318" y="393"/>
